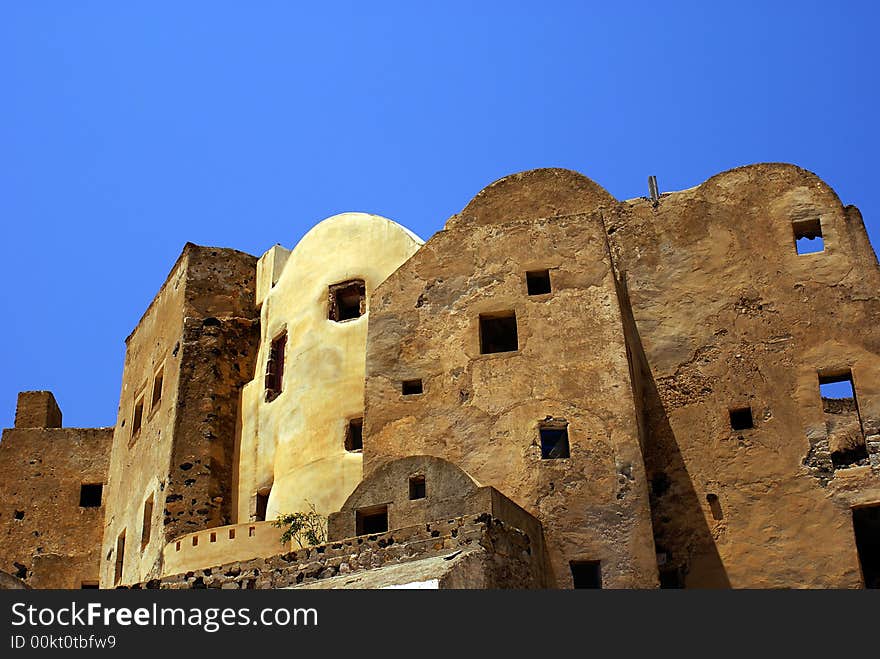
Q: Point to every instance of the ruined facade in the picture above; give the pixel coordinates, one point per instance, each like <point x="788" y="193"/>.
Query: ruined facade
<point x="557" y="390"/>
<point x="52" y="497"/>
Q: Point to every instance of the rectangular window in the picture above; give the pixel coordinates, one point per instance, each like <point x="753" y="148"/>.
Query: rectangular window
<point x="538" y="282"/>
<point x="498" y="332"/>
<point x="808" y="236"/>
<point x="417" y="487"/>
<point x="120" y="557"/>
<point x="138" y="416"/>
<point x="157" y="389"/>
<point x="554" y="439"/>
<point x="741" y="418"/>
<point x="348" y="300"/>
<point x="586" y="574"/>
<point x="90" y="495"/>
<point x="275" y="367"/>
<point x="354" y="435"/>
<point x="866" y="524"/>
<point x="261" y="505"/>
<point x="88" y="585"/>
<point x="372" y="520"/>
<point x="147" y="522"/>
<point x="411" y="387"/>
<point x="846" y="438"/>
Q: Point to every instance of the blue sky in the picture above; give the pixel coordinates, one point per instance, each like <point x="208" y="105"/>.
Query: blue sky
<point x="129" y="128"/>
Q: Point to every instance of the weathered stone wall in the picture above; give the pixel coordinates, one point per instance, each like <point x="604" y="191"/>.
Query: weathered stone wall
<point x="498" y="556"/>
<point x="46" y="539"/>
<point x="729" y="316"/>
<point x="200" y="332"/>
<point x="482" y="411"/>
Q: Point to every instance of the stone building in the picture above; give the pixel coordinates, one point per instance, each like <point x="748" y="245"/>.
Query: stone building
<point x="52" y="497"/>
<point x="557" y="390"/>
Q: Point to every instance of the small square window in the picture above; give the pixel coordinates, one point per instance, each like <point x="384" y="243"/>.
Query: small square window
<point x="586" y="574"/>
<point x="275" y="367"/>
<point x="554" y="440"/>
<point x="261" y="505"/>
<point x="411" y="387"/>
<point x="138" y="416"/>
<point x="741" y="418"/>
<point x="147" y="523"/>
<point x="808" y="236"/>
<point x="372" y="520"/>
<point x="120" y="558"/>
<point x="157" y="389"/>
<point x="90" y="495"/>
<point x="416" y="487"/>
<point x="354" y="435"/>
<point x="348" y="300"/>
<point x="538" y="282"/>
<point x="498" y="333"/>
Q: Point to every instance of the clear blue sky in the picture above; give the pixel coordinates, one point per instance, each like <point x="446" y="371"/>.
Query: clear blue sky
<point x="129" y="128"/>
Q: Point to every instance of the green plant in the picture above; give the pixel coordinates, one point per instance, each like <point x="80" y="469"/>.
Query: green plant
<point x="307" y="528"/>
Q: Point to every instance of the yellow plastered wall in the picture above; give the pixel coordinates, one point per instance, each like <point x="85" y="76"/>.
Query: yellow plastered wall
<point x="294" y="444"/>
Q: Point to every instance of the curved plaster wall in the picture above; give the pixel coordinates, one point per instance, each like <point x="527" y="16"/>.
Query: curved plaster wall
<point x="294" y="444"/>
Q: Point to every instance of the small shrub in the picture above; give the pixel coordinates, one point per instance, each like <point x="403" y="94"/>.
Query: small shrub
<point x="307" y="528"/>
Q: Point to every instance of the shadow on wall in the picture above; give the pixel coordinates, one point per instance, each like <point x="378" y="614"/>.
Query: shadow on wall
<point x="687" y="556"/>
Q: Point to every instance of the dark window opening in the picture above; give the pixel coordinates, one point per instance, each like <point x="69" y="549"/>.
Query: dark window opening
<point x="90" y="495"/>
<point x="554" y="440"/>
<point x="846" y="439"/>
<point x="147" y="522"/>
<point x="498" y="333"/>
<point x="372" y="520"/>
<point x="262" y="504"/>
<point x="120" y="557"/>
<point x="715" y="506"/>
<point x="670" y="577"/>
<point x="212" y="537"/>
<point x="808" y="236"/>
<point x="157" y="389"/>
<point x="411" y="387"/>
<point x="138" y="416"/>
<point x="275" y="367"/>
<point x="586" y="574"/>
<point x="538" y="282"/>
<point x="741" y="418"/>
<point x="348" y="300"/>
<point x="354" y="435"/>
<point x="417" y="487"/>
<point x="866" y="524"/>
<point x="232" y="534"/>
<point x="88" y="585"/>
<point x="195" y="541"/>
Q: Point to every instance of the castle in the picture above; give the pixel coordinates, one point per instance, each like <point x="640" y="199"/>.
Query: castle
<point x="556" y="390"/>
